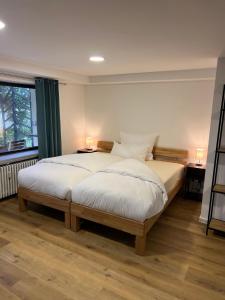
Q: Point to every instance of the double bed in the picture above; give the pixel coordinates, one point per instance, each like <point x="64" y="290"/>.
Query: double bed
<point x="169" y="164"/>
<point x="68" y="183"/>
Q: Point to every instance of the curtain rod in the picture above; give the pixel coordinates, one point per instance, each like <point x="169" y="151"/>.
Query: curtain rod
<point x="23" y="77"/>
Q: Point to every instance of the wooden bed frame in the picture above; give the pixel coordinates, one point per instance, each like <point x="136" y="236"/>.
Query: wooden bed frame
<point x="73" y="212"/>
<point x="63" y="205"/>
<point x="139" y="229"/>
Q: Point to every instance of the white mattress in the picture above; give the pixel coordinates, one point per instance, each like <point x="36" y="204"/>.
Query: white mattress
<point x="129" y="189"/>
<point x="170" y="173"/>
<point x="56" y="176"/>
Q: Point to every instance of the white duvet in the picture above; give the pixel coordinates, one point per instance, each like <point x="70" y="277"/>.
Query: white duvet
<point x="57" y="175"/>
<point x="127" y="188"/>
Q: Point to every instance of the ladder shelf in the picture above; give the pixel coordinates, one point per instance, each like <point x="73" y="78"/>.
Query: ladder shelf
<point x="212" y="223"/>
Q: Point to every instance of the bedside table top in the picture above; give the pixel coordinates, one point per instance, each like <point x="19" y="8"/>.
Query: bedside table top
<point x="194" y="166"/>
<point x="86" y="150"/>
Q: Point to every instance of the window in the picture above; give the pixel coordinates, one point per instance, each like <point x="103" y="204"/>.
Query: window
<point x="18" y="122"/>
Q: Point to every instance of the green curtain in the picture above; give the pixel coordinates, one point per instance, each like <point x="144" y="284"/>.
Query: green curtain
<point x="48" y="117"/>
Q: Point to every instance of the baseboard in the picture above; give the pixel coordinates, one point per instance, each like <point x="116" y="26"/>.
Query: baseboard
<point x="8" y="197"/>
<point x="202" y="220"/>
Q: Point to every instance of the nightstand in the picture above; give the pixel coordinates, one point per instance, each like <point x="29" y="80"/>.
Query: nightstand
<point x="86" y="150"/>
<point x="194" y="181"/>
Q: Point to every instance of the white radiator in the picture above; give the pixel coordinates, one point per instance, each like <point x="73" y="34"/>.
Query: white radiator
<point x="9" y="174"/>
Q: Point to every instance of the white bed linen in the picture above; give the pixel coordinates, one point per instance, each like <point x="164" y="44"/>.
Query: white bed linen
<point x="127" y="188"/>
<point x="57" y="175"/>
<point x="170" y="173"/>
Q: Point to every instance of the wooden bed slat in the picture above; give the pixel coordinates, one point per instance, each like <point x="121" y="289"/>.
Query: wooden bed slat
<point x="25" y="195"/>
<point x="170" y="154"/>
<point x="108" y="219"/>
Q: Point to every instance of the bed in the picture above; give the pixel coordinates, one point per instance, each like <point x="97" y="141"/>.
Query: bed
<point x="50" y="181"/>
<point x="168" y="164"/>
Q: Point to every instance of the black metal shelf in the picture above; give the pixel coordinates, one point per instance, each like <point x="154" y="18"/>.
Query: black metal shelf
<point x="212" y="223"/>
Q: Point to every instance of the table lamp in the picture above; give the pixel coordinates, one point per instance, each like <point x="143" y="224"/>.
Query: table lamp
<point x="89" y="143"/>
<point x="199" y="154"/>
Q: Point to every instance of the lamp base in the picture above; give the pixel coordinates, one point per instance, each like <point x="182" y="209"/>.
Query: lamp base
<point x="199" y="165"/>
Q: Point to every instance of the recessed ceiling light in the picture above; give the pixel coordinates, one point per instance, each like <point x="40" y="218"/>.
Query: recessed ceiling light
<point x="96" y="58"/>
<point x="2" y="25"/>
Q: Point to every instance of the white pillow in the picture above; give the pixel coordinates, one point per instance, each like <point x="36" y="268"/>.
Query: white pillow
<point x="144" y="139"/>
<point x="136" y="151"/>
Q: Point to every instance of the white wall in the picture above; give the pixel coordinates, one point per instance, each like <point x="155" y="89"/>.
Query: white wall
<point x="219" y="211"/>
<point x="72" y="117"/>
<point x="179" y="111"/>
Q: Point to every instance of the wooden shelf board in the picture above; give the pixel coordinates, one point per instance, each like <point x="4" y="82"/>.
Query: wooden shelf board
<point x="217" y="225"/>
<point x="219" y="188"/>
<point x="221" y="149"/>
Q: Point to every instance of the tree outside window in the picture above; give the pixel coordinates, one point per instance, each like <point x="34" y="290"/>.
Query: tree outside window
<point x="17" y="117"/>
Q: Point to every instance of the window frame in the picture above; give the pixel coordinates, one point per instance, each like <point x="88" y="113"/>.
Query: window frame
<point x="15" y="84"/>
<point x="22" y="85"/>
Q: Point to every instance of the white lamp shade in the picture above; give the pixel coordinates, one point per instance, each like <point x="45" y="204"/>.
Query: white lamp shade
<point x="89" y="142"/>
<point x="200" y="155"/>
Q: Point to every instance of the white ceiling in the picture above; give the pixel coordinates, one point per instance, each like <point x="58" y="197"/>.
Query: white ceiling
<point x="133" y="35"/>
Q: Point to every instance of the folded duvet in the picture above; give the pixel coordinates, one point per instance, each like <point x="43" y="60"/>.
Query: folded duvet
<point x="127" y="188"/>
<point x="57" y="175"/>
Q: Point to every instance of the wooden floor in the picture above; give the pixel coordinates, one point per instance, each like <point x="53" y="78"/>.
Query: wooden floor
<point x="39" y="259"/>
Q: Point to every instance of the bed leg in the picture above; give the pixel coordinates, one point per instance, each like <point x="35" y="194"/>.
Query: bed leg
<point x="22" y="203"/>
<point x="75" y="223"/>
<point x="140" y="244"/>
<point x="67" y="220"/>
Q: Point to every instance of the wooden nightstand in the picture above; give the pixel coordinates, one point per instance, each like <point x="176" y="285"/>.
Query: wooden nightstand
<point x="194" y="181"/>
<point x="86" y="150"/>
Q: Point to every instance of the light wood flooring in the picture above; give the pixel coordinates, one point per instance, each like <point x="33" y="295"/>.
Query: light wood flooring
<point x="40" y="259"/>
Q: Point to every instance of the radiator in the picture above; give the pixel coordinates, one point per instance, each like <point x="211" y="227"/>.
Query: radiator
<point x="9" y="174"/>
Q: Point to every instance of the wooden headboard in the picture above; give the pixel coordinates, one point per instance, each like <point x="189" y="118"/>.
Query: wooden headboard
<point x="159" y="153"/>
